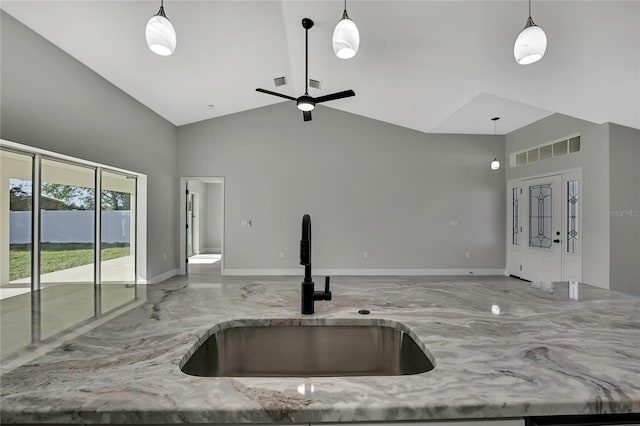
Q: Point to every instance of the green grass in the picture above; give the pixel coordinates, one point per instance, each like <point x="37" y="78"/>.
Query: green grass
<point x="57" y="256"/>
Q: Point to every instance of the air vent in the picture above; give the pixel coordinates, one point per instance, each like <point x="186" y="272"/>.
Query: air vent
<point x="314" y="84"/>
<point x="280" y="81"/>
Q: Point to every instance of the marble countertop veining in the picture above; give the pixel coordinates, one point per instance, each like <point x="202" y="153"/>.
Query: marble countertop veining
<point x="543" y="354"/>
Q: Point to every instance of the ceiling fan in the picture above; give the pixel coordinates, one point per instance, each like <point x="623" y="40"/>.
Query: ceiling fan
<point x="307" y="103"/>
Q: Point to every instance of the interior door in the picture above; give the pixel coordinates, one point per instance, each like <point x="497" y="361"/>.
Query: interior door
<point x="541" y="210"/>
<point x="189" y="225"/>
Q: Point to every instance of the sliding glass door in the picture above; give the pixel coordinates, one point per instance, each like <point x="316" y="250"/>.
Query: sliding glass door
<point x="117" y="241"/>
<point x="62" y="262"/>
<point x="67" y="245"/>
<point x="15" y="250"/>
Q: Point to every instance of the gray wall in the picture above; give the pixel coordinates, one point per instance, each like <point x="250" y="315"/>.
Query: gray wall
<point x="214" y="217"/>
<point x="624" y="172"/>
<point x="369" y="186"/>
<point x="51" y="101"/>
<point x="594" y="160"/>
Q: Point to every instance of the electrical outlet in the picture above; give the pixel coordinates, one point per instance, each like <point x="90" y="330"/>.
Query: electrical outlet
<point x="281" y="255"/>
<point x="365" y="254"/>
<point x="467" y="255"/>
<point x="164" y="256"/>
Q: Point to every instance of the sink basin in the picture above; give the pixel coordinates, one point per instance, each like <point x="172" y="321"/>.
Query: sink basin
<point x="307" y="351"/>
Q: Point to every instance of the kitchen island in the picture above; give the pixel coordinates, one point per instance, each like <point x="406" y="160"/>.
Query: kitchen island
<point x="502" y="349"/>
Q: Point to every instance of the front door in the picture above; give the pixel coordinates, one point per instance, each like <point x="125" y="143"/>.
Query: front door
<point x="541" y="209"/>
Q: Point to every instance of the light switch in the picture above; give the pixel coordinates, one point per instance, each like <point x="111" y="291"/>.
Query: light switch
<point x="453" y="224"/>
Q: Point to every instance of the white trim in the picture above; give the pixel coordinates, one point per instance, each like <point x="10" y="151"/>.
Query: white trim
<point x="141" y="229"/>
<point x="160" y="278"/>
<point x="56" y="155"/>
<point x="365" y="272"/>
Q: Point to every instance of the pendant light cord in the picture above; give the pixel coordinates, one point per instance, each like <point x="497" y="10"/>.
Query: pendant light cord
<point x="495" y="125"/>
<point x="306" y="61"/>
<point x="529" y="8"/>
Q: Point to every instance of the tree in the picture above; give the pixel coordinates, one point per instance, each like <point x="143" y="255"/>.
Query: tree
<point x="71" y="197"/>
<point x="19" y="199"/>
<point x="114" y="200"/>
<point x="57" y="196"/>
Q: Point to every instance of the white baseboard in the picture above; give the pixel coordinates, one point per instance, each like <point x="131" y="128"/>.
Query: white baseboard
<point x="162" y="277"/>
<point x="365" y="272"/>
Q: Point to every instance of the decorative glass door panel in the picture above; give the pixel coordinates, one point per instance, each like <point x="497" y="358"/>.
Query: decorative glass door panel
<point x="542" y="256"/>
<point x="541" y="216"/>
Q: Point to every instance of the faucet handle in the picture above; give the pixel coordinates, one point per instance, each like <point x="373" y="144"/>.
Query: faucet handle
<point x="327" y="293"/>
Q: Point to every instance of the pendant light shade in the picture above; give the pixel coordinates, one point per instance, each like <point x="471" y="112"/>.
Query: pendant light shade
<point x="530" y="44"/>
<point x="495" y="164"/>
<point x="346" y="37"/>
<point x="160" y="34"/>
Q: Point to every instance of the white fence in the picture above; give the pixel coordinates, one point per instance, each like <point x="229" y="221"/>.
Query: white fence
<point x="71" y="226"/>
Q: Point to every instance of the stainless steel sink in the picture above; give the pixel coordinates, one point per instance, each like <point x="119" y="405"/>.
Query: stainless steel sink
<point x="308" y="351"/>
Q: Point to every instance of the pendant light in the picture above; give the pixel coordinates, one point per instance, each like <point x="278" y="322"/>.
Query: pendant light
<point x="495" y="163"/>
<point x="160" y="34"/>
<point x="530" y="44"/>
<point x="346" y="38"/>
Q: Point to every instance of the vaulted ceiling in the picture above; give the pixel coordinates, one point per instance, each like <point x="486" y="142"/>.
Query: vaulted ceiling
<point x="433" y="66"/>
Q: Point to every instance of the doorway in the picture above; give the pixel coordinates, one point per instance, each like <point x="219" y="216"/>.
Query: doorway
<point x="202" y="218"/>
<point x="544" y="229"/>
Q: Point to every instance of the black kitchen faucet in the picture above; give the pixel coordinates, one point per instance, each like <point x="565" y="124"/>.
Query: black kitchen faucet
<point x="309" y="295"/>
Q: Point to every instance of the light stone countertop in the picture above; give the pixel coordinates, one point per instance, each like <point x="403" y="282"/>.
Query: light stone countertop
<point x="542" y="355"/>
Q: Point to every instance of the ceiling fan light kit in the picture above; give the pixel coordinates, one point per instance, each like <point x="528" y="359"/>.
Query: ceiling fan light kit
<point x="307" y="103"/>
<point x="160" y="34"/>
<point x="346" y="37"/>
<point x="531" y="43"/>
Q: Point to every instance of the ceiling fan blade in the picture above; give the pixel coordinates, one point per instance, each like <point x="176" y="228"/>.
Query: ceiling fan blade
<point x="306" y="115"/>
<point x="269" y="92"/>
<point x="334" y="96"/>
